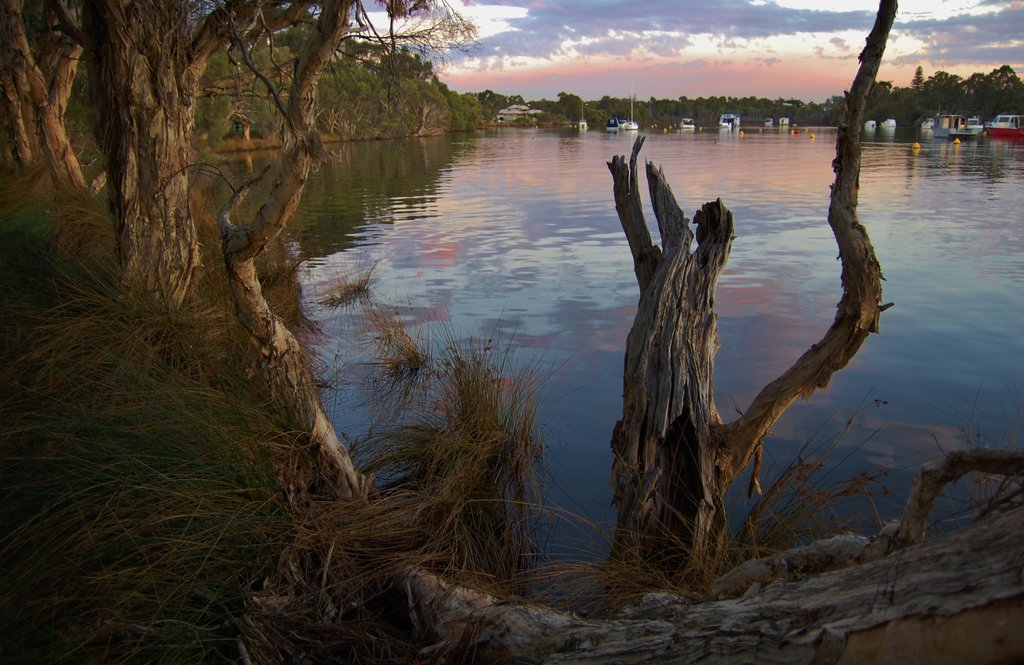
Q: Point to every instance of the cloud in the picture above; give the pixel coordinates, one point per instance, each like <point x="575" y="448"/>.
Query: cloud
<point x="996" y="37"/>
<point x="613" y="40"/>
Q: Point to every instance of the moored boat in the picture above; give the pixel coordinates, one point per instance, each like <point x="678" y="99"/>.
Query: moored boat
<point x="950" y="126"/>
<point x="729" y="121"/>
<point x="1006" y="126"/>
<point x="687" y="125"/>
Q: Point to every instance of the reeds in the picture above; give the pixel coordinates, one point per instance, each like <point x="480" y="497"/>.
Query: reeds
<point x="466" y="457"/>
<point x="347" y="290"/>
<point x="138" y="504"/>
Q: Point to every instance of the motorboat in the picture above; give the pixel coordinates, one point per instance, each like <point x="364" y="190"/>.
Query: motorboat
<point x="928" y="123"/>
<point x="1006" y="126"/>
<point x="729" y="121"/>
<point x="869" y="125"/>
<point x="687" y="125"/>
<point x="889" y="123"/>
<point x="951" y="126"/>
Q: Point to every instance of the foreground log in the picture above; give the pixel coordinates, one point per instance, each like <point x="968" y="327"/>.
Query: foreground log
<point x="958" y="598"/>
<point x="674" y="457"/>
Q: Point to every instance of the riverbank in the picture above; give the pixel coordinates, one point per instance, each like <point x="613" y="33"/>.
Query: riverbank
<point x="143" y="513"/>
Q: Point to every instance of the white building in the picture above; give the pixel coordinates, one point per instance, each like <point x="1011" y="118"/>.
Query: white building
<point x="516" y="111"/>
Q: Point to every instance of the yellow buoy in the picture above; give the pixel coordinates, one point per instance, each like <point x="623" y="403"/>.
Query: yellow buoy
<point x="956" y="141"/>
<point x="812" y="136"/>
<point x="741" y="132"/>
<point x="917" y="146"/>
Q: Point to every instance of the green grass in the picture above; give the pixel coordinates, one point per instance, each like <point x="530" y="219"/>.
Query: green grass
<point x="138" y="503"/>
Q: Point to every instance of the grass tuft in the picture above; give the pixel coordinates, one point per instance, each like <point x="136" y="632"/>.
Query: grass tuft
<point x="346" y="291"/>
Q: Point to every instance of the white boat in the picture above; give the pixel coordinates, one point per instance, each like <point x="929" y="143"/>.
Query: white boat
<point x="629" y="125"/>
<point x="949" y="126"/>
<point x="769" y="122"/>
<point x="582" y="125"/>
<point x="783" y="122"/>
<point x="613" y="124"/>
<point x="928" y="123"/>
<point x="686" y="125"/>
<point x="974" y="125"/>
<point x="729" y="121"/>
<point x="889" y="123"/>
<point x="869" y="125"/>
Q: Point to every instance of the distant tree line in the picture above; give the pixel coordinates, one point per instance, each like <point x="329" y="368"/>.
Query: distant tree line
<point x="984" y="95"/>
<point x="652" y="112"/>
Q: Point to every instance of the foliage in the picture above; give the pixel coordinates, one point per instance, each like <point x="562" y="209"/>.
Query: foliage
<point x="983" y="95"/>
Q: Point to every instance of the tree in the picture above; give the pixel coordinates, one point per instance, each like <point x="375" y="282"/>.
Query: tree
<point x="918" y="81"/>
<point x="145" y="60"/>
<point x="674" y="456"/>
<point x="39" y="71"/>
<point x="570" y="106"/>
<point x="281" y="360"/>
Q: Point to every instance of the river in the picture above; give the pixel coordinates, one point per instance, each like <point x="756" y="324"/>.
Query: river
<point x="511" y="234"/>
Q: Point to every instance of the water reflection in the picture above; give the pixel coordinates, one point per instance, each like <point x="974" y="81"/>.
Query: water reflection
<point x="513" y="233"/>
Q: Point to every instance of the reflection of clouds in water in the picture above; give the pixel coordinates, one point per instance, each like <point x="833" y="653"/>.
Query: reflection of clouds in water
<point x="518" y="239"/>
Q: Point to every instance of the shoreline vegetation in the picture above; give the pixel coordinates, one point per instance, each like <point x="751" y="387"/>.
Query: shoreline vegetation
<point x="171" y="490"/>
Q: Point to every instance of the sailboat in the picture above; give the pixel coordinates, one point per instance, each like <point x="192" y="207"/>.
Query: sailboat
<point x="630" y="125"/>
<point x="583" y="118"/>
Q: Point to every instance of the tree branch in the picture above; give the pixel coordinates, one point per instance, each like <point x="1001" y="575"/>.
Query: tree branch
<point x="860" y="305"/>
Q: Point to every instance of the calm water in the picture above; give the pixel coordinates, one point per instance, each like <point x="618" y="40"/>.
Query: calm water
<point x="512" y="234"/>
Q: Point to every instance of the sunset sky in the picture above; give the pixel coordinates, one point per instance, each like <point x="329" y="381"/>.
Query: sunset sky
<point x="805" y="49"/>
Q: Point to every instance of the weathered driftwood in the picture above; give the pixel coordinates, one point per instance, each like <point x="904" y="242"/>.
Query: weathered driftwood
<point x="958" y="598"/>
<point x="674" y="457"/>
<point x="847" y="550"/>
<point x="661" y="444"/>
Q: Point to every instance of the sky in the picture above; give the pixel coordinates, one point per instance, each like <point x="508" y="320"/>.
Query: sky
<point x="803" y="49"/>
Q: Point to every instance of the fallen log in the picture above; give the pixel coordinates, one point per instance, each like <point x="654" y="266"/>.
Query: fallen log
<point x="958" y="598"/>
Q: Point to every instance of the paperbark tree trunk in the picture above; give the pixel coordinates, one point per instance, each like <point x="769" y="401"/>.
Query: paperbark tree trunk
<point x="281" y="359"/>
<point x="144" y="78"/>
<point x="37" y="83"/>
<point x="15" y="121"/>
<point x="674" y="457"/>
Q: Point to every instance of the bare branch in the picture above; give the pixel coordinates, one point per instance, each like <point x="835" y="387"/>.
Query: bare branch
<point x="860" y="306"/>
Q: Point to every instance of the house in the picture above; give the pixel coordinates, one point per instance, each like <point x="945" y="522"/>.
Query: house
<point x="517" y="112"/>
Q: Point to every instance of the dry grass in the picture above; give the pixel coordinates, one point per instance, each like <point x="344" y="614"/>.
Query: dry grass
<point x="349" y="290"/>
<point x="398" y="356"/>
<point x="466" y="458"/>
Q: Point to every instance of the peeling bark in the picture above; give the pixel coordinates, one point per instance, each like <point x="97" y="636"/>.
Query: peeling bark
<point x="674" y="457"/>
<point x="143" y="81"/>
<point x="145" y="60"/>
<point x="40" y="77"/>
<point x="958" y="598"/>
<point x="281" y="359"/>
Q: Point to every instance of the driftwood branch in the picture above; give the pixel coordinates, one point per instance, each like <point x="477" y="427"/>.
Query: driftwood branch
<point x="674" y="457"/>
<point x="664" y="475"/>
<point x="958" y="598"/>
<point x="843" y="551"/>
<point x="859" y="308"/>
